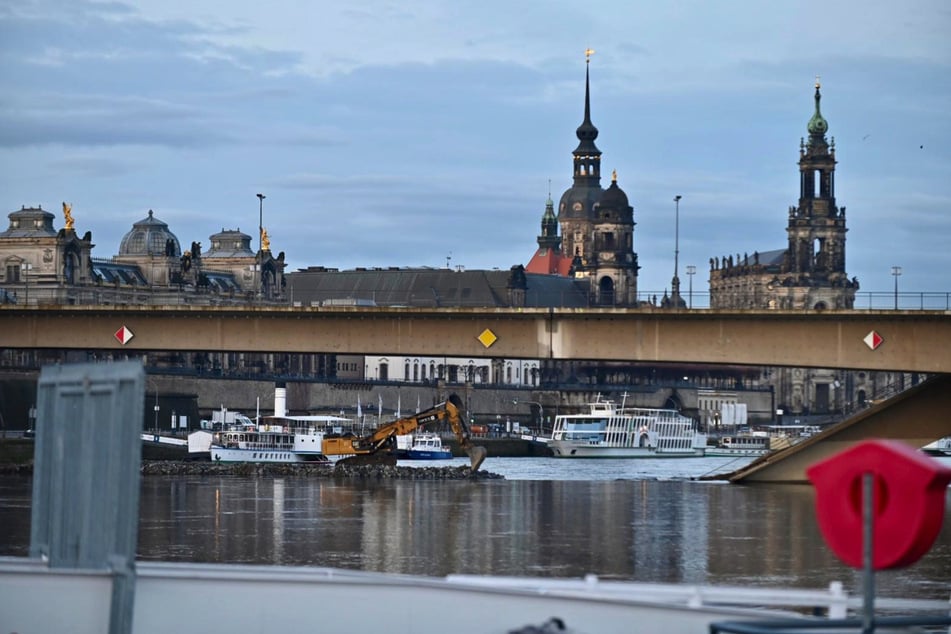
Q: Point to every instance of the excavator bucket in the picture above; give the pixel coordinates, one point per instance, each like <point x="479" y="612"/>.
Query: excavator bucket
<point x="477" y="455"/>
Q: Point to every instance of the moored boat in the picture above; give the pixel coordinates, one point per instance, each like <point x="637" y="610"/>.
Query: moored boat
<point x="611" y="431"/>
<point x="741" y="445"/>
<point x="427" y="446"/>
<point x="282" y="439"/>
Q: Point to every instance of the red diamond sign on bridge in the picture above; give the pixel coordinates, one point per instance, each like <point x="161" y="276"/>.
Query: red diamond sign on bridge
<point x="124" y="335"/>
<point x="873" y="340"/>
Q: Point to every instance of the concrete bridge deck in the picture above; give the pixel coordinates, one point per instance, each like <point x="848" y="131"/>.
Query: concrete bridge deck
<point x="911" y="341"/>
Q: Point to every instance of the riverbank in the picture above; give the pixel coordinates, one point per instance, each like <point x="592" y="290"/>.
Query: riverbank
<point x="301" y="470"/>
<point x="17" y="451"/>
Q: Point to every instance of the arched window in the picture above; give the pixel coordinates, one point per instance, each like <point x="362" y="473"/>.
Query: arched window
<point x="606" y="291"/>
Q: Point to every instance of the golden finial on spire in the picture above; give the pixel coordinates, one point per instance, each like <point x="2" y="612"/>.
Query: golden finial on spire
<point x="265" y="240"/>
<point x="818" y="85"/>
<point x="588" y="52"/>
<point x="613" y="176"/>
<point x="67" y="212"/>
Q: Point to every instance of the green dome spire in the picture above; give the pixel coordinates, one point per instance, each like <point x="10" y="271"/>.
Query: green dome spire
<point x="817" y="125"/>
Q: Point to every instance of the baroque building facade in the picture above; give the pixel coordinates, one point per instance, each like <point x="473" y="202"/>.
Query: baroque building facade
<point x="597" y="226"/>
<point x="810" y="271"/>
<point x="809" y="274"/>
<point x="43" y="265"/>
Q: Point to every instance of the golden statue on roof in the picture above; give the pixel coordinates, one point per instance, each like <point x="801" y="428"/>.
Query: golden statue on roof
<point x="265" y="240"/>
<point x="68" y="213"/>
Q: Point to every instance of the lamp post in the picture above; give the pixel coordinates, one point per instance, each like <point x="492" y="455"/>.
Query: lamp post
<point x="541" y="412"/>
<point x="691" y="269"/>
<point x="26" y="267"/>
<point x="261" y="198"/>
<point x="675" y="284"/>
<point x="896" y="271"/>
<point x="676" y="231"/>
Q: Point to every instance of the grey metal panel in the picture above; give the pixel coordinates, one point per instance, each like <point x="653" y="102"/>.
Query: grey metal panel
<point x="87" y="460"/>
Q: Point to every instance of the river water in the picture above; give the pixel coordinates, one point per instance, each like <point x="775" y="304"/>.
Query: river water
<point x="640" y="520"/>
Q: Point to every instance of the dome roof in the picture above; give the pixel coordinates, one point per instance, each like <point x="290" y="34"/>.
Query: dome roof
<point x="817" y="125"/>
<point x="150" y="236"/>
<point x="230" y="244"/>
<point x="614" y="197"/>
<point x="30" y="222"/>
<point x="579" y="202"/>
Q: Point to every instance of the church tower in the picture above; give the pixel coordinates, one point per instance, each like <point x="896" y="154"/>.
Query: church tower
<point x="549" y="258"/>
<point x="597" y="225"/>
<point x="816" y="229"/>
<point x="810" y="272"/>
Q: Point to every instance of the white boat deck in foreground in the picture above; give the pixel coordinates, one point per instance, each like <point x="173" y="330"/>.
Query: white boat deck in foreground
<point x="241" y="599"/>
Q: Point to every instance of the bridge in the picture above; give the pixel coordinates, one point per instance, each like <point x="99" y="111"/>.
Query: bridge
<point x="909" y="341"/>
<point x="912" y="341"/>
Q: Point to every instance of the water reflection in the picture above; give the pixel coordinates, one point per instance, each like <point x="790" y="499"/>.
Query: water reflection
<point x="643" y="530"/>
<point x="670" y="531"/>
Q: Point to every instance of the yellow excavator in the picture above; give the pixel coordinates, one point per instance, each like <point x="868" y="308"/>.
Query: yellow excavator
<point x="379" y="447"/>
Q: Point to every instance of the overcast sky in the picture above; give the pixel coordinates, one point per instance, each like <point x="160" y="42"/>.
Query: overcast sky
<point x="421" y="133"/>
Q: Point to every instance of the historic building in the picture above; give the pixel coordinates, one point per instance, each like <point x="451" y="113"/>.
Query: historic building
<point x="808" y="274"/>
<point x="41" y="261"/>
<point x="810" y="271"/>
<point x="597" y="226"/>
<point x="42" y="265"/>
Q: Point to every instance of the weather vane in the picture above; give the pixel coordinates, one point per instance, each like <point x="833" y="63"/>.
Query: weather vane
<point x="817" y="82"/>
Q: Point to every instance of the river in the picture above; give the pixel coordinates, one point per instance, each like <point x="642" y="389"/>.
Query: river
<point x="640" y="520"/>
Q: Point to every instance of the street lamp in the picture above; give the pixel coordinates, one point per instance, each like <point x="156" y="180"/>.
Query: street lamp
<point x="896" y="271"/>
<point x="691" y="269"/>
<point x="541" y="412"/>
<point x="675" y="284"/>
<point x="261" y="198"/>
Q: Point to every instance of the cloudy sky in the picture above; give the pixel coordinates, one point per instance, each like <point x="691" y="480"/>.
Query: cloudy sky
<point x="421" y="133"/>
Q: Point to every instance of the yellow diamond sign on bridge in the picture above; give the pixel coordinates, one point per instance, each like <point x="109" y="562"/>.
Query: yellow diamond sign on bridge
<point x="487" y="338"/>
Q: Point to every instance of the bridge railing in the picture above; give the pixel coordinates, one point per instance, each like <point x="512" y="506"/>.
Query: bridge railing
<point x="864" y="300"/>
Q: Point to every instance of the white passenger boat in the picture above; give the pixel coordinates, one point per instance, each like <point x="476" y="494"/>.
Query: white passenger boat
<point x="427" y="446"/>
<point x="609" y="431"/>
<point x="741" y="445"/>
<point x="282" y="439"/>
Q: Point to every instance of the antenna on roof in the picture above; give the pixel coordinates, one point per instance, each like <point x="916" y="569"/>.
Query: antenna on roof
<point x="448" y="258"/>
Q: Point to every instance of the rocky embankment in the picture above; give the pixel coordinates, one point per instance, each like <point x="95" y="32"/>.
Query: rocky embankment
<point x="370" y="472"/>
<point x="367" y="472"/>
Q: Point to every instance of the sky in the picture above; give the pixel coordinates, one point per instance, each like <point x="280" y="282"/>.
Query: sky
<point x="430" y="133"/>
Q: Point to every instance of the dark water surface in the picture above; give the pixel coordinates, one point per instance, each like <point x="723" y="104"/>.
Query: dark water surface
<point x="625" y="520"/>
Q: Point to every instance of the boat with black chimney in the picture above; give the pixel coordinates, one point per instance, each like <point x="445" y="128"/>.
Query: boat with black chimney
<point x="280" y="439"/>
<point x="609" y="430"/>
<point x="428" y="446"/>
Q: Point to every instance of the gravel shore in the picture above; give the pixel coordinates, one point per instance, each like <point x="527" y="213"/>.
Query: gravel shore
<point x="370" y="472"/>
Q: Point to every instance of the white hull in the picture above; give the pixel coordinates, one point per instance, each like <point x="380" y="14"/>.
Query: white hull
<point x="230" y="455"/>
<point x="174" y="597"/>
<point x="735" y="451"/>
<point x="609" y="431"/>
<point x="569" y="449"/>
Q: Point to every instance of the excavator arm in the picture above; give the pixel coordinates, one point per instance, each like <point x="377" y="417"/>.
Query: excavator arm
<point x="377" y="447"/>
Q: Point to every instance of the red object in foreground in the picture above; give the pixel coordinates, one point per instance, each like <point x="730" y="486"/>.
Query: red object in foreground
<point x="909" y="491"/>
